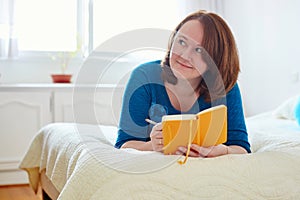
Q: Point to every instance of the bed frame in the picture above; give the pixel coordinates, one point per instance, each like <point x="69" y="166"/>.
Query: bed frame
<point x="48" y="190"/>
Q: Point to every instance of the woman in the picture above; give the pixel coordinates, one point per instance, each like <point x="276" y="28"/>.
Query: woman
<point x="200" y="70"/>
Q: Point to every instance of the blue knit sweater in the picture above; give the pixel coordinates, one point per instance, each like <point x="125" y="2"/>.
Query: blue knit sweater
<point x="146" y="97"/>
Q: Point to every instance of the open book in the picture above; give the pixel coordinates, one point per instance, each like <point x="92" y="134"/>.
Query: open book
<point x="206" y="128"/>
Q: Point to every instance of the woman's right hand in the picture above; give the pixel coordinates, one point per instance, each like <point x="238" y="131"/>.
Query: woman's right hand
<point x="156" y="137"/>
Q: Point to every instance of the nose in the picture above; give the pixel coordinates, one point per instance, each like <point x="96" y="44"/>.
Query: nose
<point x="187" y="53"/>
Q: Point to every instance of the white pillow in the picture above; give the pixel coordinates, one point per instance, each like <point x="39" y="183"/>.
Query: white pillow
<point x="287" y="108"/>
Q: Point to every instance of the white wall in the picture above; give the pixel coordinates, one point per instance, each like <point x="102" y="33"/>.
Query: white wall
<point x="32" y="70"/>
<point x="267" y="33"/>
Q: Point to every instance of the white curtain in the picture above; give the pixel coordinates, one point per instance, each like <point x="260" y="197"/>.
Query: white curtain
<point x="8" y="39"/>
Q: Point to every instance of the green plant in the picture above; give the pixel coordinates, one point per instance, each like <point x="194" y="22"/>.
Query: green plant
<point x="64" y="57"/>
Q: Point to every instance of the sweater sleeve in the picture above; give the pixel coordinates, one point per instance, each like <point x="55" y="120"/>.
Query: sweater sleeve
<point x="136" y="103"/>
<point x="237" y="131"/>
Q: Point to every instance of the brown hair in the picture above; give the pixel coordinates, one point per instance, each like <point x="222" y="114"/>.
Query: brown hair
<point x="219" y="43"/>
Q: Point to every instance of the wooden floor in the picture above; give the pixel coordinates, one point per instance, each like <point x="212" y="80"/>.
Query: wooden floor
<point x="19" y="192"/>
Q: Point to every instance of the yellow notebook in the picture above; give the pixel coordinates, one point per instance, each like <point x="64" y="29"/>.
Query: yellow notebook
<point x="206" y="128"/>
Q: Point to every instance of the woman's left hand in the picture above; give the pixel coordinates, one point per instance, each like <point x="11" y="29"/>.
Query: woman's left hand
<point x="198" y="151"/>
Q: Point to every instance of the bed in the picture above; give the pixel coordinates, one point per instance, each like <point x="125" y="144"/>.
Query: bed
<point x="78" y="161"/>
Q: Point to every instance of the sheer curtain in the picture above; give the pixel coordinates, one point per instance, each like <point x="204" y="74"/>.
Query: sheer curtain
<point x="8" y="39"/>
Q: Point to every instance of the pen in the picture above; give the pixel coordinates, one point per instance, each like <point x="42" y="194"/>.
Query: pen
<point x="150" y="121"/>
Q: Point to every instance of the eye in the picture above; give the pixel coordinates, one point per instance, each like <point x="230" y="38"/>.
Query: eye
<point x="198" y="50"/>
<point x="181" y="42"/>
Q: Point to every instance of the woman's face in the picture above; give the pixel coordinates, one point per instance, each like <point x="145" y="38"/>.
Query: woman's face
<point x="186" y="59"/>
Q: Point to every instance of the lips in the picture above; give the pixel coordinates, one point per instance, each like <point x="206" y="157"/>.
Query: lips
<point x="184" y="64"/>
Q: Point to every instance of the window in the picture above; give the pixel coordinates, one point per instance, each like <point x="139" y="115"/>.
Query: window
<point x="113" y="17"/>
<point x="58" y="25"/>
<point x="46" y="25"/>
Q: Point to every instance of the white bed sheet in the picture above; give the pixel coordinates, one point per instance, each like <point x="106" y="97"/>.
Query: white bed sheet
<point x="83" y="164"/>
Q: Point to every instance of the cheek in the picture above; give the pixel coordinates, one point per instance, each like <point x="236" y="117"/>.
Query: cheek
<point x="202" y="67"/>
<point x="173" y="58"/>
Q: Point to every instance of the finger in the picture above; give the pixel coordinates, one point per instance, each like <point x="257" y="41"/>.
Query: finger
<point x="198" y="150"/>
<point x="195" y="147"/>
<point x="156" y="135"/>
<point x="202" y="151"/>
<point x="159" y="135"/>
<point x="194" y="151"/>
<point x="183" y="151"/>
<point x="158" y="127"/>
<point x="155" y="132"/>
<point x="160" y="141"/>
<point x="206" y="151"/>
<point x="158" y="145"/>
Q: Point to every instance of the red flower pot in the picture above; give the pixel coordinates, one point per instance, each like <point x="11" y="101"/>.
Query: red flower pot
<point x="61" y="78"/>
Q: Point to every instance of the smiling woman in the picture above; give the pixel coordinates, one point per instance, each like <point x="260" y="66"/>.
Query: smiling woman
<point x="199" y="71"/>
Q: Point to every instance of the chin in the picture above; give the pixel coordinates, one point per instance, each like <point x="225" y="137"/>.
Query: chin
<point x="181" y="76"/>
<point x="185" y="74"/>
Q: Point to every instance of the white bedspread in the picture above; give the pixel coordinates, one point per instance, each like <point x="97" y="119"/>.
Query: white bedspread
<point x="267" y="133"/>
<point x="83" y="164"/>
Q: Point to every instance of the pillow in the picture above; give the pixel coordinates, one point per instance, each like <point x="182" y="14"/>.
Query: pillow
<point x="297" y="111"/>
<point x="287" y="109"/>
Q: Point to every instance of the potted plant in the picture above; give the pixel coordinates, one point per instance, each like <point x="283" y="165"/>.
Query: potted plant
<point x="64" y="58"/>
